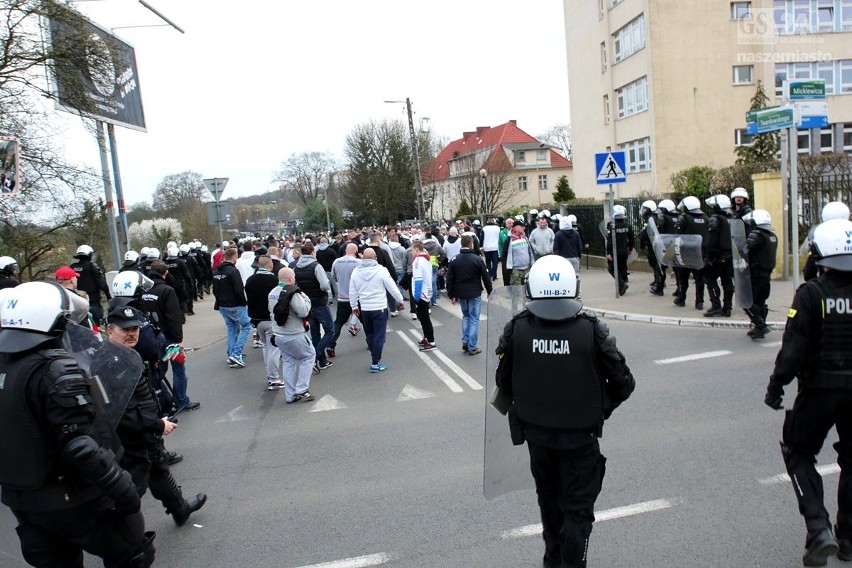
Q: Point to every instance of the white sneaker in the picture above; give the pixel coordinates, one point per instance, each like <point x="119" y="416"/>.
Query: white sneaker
<point x="394" y="314"/>
<point x="258" y="344"/>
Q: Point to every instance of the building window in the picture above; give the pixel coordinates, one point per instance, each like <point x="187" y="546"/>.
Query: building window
<point x="632" y="98"/>
<point x="845" y="15"/>
<point x="825" y="70"/>
<point x="629" y="39"/>
<point x="522" y="183"/>
<point x="740" y="10"/>
<point x="742" y="138"/>
<point x="607" y="110"/>
<point x="847" y="137"/>
<point x="837" y="75"/>
<point x="825" y="15"/>
<point x="743" y="74"/>
<point x="541" y="155"/>
<point x="603" y="57"/>
<point x="804" y="142"/>
<point x="542" y="181"/>
<point x="845" y="73"/>
<point x="616" y="2"/>
<point x="826" y="139"/>
<point x="520" y="155"/>
<point x="638" y="155"/>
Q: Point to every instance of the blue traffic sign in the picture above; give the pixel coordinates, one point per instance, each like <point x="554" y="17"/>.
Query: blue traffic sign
<point x="610" y="167"/>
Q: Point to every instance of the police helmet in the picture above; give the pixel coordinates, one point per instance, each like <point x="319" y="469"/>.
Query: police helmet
<point x="557" y="216"/>
<point x="172" y="252"/>
<point x="649" y="205"/>
<point x="533" y="212"/>
<point x="668" y="205"/>
<point x="834" y="210"/>
<point x="619" y="212"/>
<point x="203" y="248"/>
<point x="131" y="256"/>
<point x="171" y="244"/>
<point x="572" y="219"/>
<point x="130" y="283"/>
<point x="35" y="312"/>
<point x="760" y="218"/>
<point x="833" y="244"/>
<point x="8" y="264"/>
<point x="153" y="254"/>
<point x="690" y="203"/>
<point x="192" y="245"/>
<point x="718" y="202"/>
<point x="143" y="252"/>
<point x="544" y="213"/>
<point x="551" y="287"/>
<point x="84" y="250"/>
<point x="184" y="248"/>
<point x="519" y="217"/>
<point x="739" y="192"/>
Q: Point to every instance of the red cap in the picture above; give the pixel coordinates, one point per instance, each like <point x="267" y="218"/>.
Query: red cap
<point x="65" y="273"/>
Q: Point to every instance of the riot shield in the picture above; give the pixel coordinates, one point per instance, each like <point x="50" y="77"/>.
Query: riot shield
<point x="656" y="242"/>
<point x="682" y="251"/>
<point x="742" y="277"/>
<point x="114" y="370"/>
<point x="110" y="276"/>
<point x="805" y="247"/>
<point x="506" y="468"/>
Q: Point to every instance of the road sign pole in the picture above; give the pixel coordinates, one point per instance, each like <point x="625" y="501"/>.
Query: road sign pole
<point x="794" y="203"/>
<point x="611" y="236"/>
<point x="219" y="215"/>
<point x="785" y="199"/>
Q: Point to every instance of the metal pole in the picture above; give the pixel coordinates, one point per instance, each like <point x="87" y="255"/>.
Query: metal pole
<point x="119" y="192"/>
<point x="794" y="203"/>
<point x="113" y="232"/>
<point x="327" y="216"/>
<point x="219" y="213"/>
<point x="785" y="203"/>
<point x="416" y="151"/>
<point x="612" y="239"/>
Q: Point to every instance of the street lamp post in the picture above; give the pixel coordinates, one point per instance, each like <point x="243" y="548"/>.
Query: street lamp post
<point x="483" y="176"/>
<point x="416" y="153"/>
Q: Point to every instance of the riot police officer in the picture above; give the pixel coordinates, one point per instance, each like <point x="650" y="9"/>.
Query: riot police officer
<point x="666" y="224"/>
<point x="692" y="221"/>
<point x="564" y="374"/>
<point x="91" y="280"/>
<point x="816" y="349"/>
<point x="760" y="249"/>
<point x="8" y="268"/>
<point x="180" y="279"/>
<point x="719" y="258"/>
<point x="740" y="205"/>
<point x="619" y="234"/>
<point x="831" y="210"/>
<point x="131" y="261"/>
<point x="194" y="271"/>
<point x="58" y="467"/>
<point x="150" y="256"/>
<point x="648" y="210"/>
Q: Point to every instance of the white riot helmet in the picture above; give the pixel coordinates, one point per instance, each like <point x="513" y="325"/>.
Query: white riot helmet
<point x="834" y="210"/>
<point x="143" y="252"/>
<point x="544" y="213"/>
<point x="551" y="287"/>
<point x="739" y="192"/>
<point x="648" y="206"/>
<point x="84" y="250"/>
<point x="833" y="244"/>
<point x="718" y="202"/>
<point x="668" y="205"/>
<point x="572" y="219"/>
<point x="172" y="252"/>
<point x="171" y="244"/>
<point x="197" y="244"/>
<point x="203" y="248"/>
<point x="131" y="256"/>
<point x="35" y="312"/>
<point x="184" y="248"/>
<point x="619" y="212"/>
<point x="760" y="218"/>
<point x="153" y="254"/>
<point x="533" y="212"/>
<point x="192" y="245"/>
<point x="690" y="203"/>
<point x="8" y="265"/>
<point x="130" y="283"/>
<point x="519" y="217"/>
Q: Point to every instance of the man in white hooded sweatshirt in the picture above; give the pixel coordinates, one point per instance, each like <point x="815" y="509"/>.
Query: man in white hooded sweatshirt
<point x="368" y="287"/>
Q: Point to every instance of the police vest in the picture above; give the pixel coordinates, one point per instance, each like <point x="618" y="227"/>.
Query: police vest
<point x="833" y="363"/>
<point x="555" y="379"/>
<point x="722" y="236"/>
<point x="764" y="257"/>
<point x="307" y="280"/>
<point x="694" y="224"/>
<point x="622" y="230"/>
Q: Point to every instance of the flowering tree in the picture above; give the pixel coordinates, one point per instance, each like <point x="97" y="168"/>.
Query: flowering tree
<point x="154" y="232"/>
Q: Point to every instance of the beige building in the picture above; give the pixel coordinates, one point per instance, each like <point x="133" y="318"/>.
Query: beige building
<point x="669" y="81"/>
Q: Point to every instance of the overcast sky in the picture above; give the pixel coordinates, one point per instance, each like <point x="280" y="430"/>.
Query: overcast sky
<point x="252" y="82"/>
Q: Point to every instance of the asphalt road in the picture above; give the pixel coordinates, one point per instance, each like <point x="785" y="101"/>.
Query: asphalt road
<point x="386" y="469"/>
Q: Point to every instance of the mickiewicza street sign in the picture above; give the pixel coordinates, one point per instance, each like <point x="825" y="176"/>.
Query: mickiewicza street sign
<point x="216" y="186"/>
<point x="770" y="120"/>
<point x="805" y="89"/>
<point x="610" y="167"/>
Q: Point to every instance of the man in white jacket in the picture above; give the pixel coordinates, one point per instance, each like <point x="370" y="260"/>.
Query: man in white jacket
<point x="367" y="295"/>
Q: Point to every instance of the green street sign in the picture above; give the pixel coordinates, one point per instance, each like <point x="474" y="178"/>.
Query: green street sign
<point x="751" y="115"/>
<point x="806" y="89"/>
<point x="774" y="119"/>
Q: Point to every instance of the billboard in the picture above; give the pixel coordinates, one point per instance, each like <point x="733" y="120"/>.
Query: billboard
<point x="94" y="72"/>
<point x="10" y="167"/>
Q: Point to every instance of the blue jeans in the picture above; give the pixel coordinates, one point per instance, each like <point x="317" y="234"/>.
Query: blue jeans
<point x="470" y="320"/>
<point x="321" y="317"/>
<point x="375" y="328"/>
<point x="179" y="383"/>
<point x="492" y="258"/>
<point x="239" y="328"/>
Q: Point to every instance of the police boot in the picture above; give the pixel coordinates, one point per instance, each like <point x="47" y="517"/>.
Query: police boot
<point x="844" y="542"/>
<point x="187" y="508"/>
<point x="143" y="557"/>
<point x="819" y="545"/>
<point x="164" y="488"/>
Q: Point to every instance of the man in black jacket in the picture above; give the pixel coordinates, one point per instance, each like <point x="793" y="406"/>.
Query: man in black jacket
<point x="91" y="280"/>
<point x="231" y="303"/>
<point x="467" y="275"/>
<point x="258" y="286"/>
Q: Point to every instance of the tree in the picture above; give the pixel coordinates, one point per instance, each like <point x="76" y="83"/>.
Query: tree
<point x="179" y="191"/>
<point x="155" y="232"/>
<point x="464" y="209"/>
<point x="764" y="147"/>
<point x="306" y="174"/>
<point x="563" y="191"/>
<point x="693" y="181"/>
<point x="500" y="181"/>
<point x="560" y="137"/>
<point x="140" y="212"/>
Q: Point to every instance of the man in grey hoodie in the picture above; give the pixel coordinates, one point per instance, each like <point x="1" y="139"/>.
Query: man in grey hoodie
<point x="341" y="273"/>
<point x="367" y="294"/>
<point x="292" y="338"/>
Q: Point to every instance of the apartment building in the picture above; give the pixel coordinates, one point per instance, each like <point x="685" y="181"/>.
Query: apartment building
<point x="669" y="81"/>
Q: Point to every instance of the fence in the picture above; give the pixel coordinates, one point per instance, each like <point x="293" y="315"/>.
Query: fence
<point x="816" y="191"/>
<point x="591" y="219"/>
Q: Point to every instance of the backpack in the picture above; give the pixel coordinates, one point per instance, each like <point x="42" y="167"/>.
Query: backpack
<point x="281" y="311"/>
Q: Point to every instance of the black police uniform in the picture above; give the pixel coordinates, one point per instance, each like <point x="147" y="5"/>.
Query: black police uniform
<point x="58" y="467"/>
<point x="761" y="246"/>
<point x="565" y="377"/>
<point x="719" y="264"/>
<point x="91" y="280"/>
<point x="180" y="279"/>
<point x="646" y="245"/>
<point x="7" y="280"/>
<point x="817" y="349"/>
<point x="623" y="246"/>
<point x="666" y="225"/>
<point x="194" y="273"/>
<point x="693" y="222"/>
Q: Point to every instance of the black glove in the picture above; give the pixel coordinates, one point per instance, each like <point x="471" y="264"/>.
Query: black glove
<point x="774" y="397"/>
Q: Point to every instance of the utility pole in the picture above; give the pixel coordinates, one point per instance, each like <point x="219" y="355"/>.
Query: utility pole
<point x="416" y="162"/>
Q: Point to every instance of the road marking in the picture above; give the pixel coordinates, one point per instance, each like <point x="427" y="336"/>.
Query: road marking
<point x="327" y="402"/>
<point x="600" y="516"/>
<point x="233" y="416"/>
<point x="693" y="357"/>
<point x="447" y="380"/>
<point x="471" y="382"/>
<point x="771" y="345"/>
<point x="827" y="469"/>
<point x="412" y="393"/>
<point x="355" y="562"/>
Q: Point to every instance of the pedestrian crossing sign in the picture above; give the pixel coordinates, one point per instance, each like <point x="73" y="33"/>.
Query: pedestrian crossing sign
<point x="610" y="167"/>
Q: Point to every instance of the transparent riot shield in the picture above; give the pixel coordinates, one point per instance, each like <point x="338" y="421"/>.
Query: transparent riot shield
<point x="506" y="467"/>
<point x="110" y="276"/>
<point x="805" y="247"/>
<point x="656" y="242"/>
<point x="742" y="277"/>
<point x="113" y="370"/>
<point x="682" y="251"/>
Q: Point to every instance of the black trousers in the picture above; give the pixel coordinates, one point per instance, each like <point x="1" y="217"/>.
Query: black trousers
<point x="720" y="271"/>
<point x="425" y="320"/>
<point x="341" y="320"/>
<point x="57" y="539"/>
<point x="622" y="268"/>
<point x="805" y="428"/>
<point x="682" y="275"/>
<point x="568" y="482"/>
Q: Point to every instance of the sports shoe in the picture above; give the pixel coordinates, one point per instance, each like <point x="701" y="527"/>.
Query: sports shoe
<point x="188" y="407"/>
<point x="236" y="361"/>
<point x="428" y="346"/>
<point x="316" y="368"/>
<point x="413" y="316"/>
<point x="476" y="351"/>
<point x="329" y="352"/>
<point x="326" y="365"/>
<point x="257" y="344"/>
<point x="423" y="341"/>
<point x="394" y="313"/>
<point x="305" y="397"/>
<point x="464" y="347"/>
<point x="378" y="368"/>
<point x="818" y="547"/>
<point x="274" y="384"/>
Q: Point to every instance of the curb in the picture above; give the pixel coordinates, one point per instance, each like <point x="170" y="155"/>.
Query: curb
<point x="669" y="320"/>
